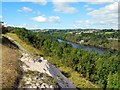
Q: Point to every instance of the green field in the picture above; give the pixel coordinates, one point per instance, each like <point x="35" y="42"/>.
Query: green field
<point x="109" y="32"/>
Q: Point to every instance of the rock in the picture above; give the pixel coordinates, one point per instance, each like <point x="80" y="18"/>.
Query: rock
<point x="37" y="84"/>
<point x="44" y="85"/>
<point x="51" y="86"/>
<point x="42" y="58"/>
<point x="43" y="69"/>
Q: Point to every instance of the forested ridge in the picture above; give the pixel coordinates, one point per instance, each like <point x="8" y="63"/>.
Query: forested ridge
<point x="99" y="69"/>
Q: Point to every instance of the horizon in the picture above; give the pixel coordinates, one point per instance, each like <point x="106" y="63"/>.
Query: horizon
<point x="61" y="28"/>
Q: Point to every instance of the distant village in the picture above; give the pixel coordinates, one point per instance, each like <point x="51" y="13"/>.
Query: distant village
<point x="77" y="31"/>
<point x="86" y="31"/>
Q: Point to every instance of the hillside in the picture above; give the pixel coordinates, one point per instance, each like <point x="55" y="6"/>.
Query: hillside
<point x="74" y="77"/>
<point x="10" y="64"/>
<point x="29" y="64"/>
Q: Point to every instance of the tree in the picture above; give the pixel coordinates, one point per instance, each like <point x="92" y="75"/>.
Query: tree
<point x="113" y="81"/>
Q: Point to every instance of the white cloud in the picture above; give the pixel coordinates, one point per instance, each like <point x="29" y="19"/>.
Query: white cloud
<point x="64" y="7"/>
<point x="42" y="2"/>
<point x="109" y="9"/>
<point x="89" y="9"/>
<point x="83" y="24"/>
<point x="24" y="25"/>
<point x="105" y="17"/>
<point x="40" y="19"/>
<point x="54" y="19"/>
<point x="1" y="17"/>
<point x="25" y="9"/>
<point x="88" y="1"/>
<point x="98" y="1"/>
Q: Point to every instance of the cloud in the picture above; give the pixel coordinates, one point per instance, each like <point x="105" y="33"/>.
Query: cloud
<point x="83" y="24"/>
<point x="42" y="2"/>
<point x="105" y="17"/>
<point x="24" y="25"/>
<point x="54" y="19"/>
<point x="1" y="17"/>
<point x="41" y="19"/>
<point x="25" y="9"/>
<point x="88" y="1"/>
<point x="107" y="10"/>
<point x="89" y="9"/>
<point x="64" y="7"/>
<point x="98" y="1"/>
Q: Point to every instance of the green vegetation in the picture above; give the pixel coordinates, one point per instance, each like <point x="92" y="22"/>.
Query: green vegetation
<point x="29" y="72"/>
<point x="96" y="68"/>
<point x="109" y="32"/>
<point x="59" y="77"/>
<point x="27" y="46"/>
<point x="102" y="39"/>
<point x="50" y="81"/>
<point x="77" y="78"/>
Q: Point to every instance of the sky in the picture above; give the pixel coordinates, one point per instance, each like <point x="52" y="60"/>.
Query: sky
<point x="60" y="14"/>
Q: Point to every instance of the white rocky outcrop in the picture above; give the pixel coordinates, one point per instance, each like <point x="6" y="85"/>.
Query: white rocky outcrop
<point x="43" y="66"/>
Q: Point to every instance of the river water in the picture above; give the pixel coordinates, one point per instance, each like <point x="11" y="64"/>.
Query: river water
<point x="84" y="47"/>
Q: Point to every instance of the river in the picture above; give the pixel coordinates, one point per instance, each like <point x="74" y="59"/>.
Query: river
<point x="85" y="47"/>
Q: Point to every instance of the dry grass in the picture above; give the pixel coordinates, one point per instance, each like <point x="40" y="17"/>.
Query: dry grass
<point x="10" y="66"/>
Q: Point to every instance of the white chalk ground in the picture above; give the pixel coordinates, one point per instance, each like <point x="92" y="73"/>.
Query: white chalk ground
<point x="43" y="66"/>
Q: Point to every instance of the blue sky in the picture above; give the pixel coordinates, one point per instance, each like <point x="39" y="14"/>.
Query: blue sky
<point x="63" y="15"/>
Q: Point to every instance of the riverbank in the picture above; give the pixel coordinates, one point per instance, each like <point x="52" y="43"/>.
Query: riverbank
<point x="89" y="47"/>
<point x="85" y="47"/>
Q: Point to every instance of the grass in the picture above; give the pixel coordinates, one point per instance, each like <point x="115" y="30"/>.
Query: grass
<point x="109" y="32"/>
<point x="49" y="80"/>
<point x="59" y="77"/>
<point x="114" y="44"/>
<point x="10" y="66"/>
<point x="26" y="46"/>
<point x="77" y="78"/>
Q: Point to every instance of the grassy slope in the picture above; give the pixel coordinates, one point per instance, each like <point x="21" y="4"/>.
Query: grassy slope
<point x="75" y="77"/>
<point x="109" y="32"/>
<point x="26" y="46"/>
<point x="10" y="66"/>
